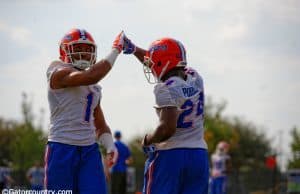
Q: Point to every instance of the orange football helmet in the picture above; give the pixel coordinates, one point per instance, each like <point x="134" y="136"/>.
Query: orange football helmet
<point x="222" y="147"/>
<point x="163" y="55"/>
<point x="67" y="52"/>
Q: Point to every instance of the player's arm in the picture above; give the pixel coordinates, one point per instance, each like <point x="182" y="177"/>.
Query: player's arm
<point x="130" y="48"/>
<point x="100" y="123"/>
<point x="103" y="133"/>
<point x="106" y="170"/>
<point x="166" y="128"/>
<point x="71" y="77"/>
<point x="129" y="160"/>
<point x="140" y="54"/>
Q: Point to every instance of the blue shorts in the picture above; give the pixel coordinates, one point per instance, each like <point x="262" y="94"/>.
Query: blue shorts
<point x="177" y="171"/>
<point x="76" y="168"/>
<point x="218" y="185"/>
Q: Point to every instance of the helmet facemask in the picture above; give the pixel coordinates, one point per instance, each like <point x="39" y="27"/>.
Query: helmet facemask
<point x="222" y="148"/>
<point x="79" y="58"/>
<point x="150" y="73"/>
<point x="148" y="70"/>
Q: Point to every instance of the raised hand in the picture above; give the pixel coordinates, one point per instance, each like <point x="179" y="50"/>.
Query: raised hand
<point x="119" y="42"/>
<point x="128" y="47"/>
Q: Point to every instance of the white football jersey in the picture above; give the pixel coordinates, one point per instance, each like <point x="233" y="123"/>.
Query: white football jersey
<point x="188" y="97"/>
<point x="71" y="109"/>
<point x="219" y="164"/>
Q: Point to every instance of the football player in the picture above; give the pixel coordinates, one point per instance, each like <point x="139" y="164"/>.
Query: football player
<point x="119" y="170"/>
<point x="72" y="158"/>
<point x="221" y="166"/>
<point x="35" y="176"/>
<point x="178" y="158"/>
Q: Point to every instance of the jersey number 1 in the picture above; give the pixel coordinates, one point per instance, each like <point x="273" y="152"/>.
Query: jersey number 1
<point x="87" y="114"/>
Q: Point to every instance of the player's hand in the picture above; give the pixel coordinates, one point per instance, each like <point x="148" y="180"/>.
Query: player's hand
<point x="128" y="47"/>
<point x="111" y="157"/>
<point x="145" y="140"/>
<point x="147" y="148"/>
<point x="106" y="172"/>
<point x="119" y="42"/>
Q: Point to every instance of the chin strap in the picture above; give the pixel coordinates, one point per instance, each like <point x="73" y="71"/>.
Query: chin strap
<point x="163" y="71"/>
<point x="81" y="64"/>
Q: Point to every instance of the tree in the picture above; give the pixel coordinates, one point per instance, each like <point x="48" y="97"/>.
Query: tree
<point x="6" y="138"/>
<point x="21" y="143"/>
<point x="295" y="148"/>
<point x="139" y="159"/>
<point x="248" y="147"/>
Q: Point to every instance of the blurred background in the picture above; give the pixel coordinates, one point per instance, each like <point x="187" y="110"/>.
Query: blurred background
<point x="246" y="51"/>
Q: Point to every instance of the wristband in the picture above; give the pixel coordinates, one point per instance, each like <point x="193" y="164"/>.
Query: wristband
<point x="106" y="140"/>
<point x="112" y="56"/>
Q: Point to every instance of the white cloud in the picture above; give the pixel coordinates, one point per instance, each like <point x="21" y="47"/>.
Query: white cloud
<point x="26" y="76"/>
<point x="196" y="5"/>
<point x="233" y="20"/>
<point x="234" y="31"/>
<point x="18" y="34"/>
<point x="283" y="10"/>
<point x="226" y="39"/>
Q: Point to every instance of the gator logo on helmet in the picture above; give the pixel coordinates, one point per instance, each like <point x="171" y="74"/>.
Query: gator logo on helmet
<point x="158" y="48"/>
<point x="68" y="37"/>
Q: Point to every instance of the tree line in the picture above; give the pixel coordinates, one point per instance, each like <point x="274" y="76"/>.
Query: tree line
<point x="22" y="143"/>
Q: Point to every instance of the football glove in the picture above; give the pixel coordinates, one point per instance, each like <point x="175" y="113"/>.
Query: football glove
<point x="128" y="47"/>
<point x="119" y="42"/>
<point x="147" y="149"/>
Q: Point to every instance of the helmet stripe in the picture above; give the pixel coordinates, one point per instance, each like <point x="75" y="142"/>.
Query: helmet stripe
<point x="182" y="51"/>
<point x="82" y="34"/>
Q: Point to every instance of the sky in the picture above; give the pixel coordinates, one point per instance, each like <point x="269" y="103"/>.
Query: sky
<point x="246" y="51"/>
